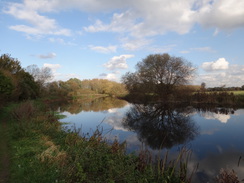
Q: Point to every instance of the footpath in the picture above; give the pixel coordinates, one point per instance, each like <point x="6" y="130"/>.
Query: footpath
<point x="4" y="152"/>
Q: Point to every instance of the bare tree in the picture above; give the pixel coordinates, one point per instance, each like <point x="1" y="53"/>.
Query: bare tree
<point x="159" y="74"/>
<point x="41" y="75"/>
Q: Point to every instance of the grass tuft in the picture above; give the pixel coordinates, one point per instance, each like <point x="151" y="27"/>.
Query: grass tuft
<point x="24" y="111"/>
<point x="227" y="176"/>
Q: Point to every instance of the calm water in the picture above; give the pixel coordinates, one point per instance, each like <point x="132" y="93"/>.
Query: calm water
<point x="215" y="135"/>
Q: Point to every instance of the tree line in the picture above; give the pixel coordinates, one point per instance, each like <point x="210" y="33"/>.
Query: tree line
<point x="159" y="77"/>
<point x="76" y="88"/>
<point x="15" y="82"/>
<point x="18" y="83"/>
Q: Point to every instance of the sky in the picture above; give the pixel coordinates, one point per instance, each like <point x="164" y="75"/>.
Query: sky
<point x="104" y="39"/>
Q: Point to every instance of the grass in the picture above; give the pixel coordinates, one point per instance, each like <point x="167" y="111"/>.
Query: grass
<point x="227" y="176"/>
<point x="42" y="152"/>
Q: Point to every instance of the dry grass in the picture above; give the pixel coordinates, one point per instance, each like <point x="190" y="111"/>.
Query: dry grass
<point x="24" y="111"/>
<point x="52" y="154"/>
<point x="227" y="176"/>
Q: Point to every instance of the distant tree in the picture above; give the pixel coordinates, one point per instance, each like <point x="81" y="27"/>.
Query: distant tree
<point x="41" y="75"/>
<point x="203" y="86"/>
<point x="159" y="74"/>
<point x="242" y="87"/>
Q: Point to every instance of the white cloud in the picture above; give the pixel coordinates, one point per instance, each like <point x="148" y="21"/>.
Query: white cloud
<point x="109" y="76"/>
<point x="47" y="56"/>
<point x="52" y="66"/>
<point x="118" y="62"/>
<point x="122" y="22"/>
<point x="221" y="14"/>
<point x="38" y="24"/>
<point x="220" y="64"/>
<point x="142" y="19"/>
<point x="102" y="49"/>
<point x="233" y="76"/>
<point x="135" y="44"/>
<point x="138" y="18"/>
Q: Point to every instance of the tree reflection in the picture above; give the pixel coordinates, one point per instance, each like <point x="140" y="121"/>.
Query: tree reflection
<point x="161" y="126"/>
<point x="96" y="105"/>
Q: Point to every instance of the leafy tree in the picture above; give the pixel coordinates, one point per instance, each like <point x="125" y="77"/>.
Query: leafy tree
<point x="27" y="88"/>
<point x="6" y="86"/>
<point x="16" y="84"/>
<point x="159" y="74"/>
<point x="9" y="64"/>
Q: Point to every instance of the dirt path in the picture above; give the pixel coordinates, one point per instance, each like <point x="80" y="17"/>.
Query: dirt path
<point x="4" y="153"/>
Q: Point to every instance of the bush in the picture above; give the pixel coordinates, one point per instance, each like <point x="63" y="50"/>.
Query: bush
<point x="24" y="111"/>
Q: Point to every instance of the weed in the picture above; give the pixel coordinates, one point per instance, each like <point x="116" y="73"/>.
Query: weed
<point x="227" y="176"/>
<point x="43" y="152"/>
<point x="24" y="111"/>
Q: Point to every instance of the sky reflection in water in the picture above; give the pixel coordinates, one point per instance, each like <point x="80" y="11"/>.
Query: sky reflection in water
<point x="215" y="137"/>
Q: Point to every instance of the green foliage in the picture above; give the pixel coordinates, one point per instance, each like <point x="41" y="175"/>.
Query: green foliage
<point x="10" y="64"/>
<point x="75" y="88"/>
<point x="23" y="111"/>
<point x="158" y="74"/>
<point x="15" y="83"/>
<point x="42" y="152"/>
<point x="27" y="87"/>
<point x="223" y="97"/>
<point x="6" y="86"/>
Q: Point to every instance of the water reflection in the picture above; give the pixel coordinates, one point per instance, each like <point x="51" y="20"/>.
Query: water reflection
<point x="161" y="126"/>
<point x="95" y="105"/>
<point x="221" y="114"/>
<point x="215" y="134"/>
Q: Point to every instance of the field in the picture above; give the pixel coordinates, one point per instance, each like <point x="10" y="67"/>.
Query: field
<point x="238" y="92"/>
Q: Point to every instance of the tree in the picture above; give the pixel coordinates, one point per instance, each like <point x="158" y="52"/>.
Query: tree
<point x="203" y="86"/>
<point x="27" y="88"/>
<point x="9" y="64"/>
<point x="159" y="74"/>
<point x="16" y="83"/>
<point x="40" y="75"/>
<point x="6" y="86"/>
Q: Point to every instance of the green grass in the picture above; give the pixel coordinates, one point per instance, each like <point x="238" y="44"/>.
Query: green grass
<point x="42" y="152"/>
<point x="237" y="92"/>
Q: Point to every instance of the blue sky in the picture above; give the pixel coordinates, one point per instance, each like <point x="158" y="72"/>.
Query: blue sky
<point x="106" y="38"/>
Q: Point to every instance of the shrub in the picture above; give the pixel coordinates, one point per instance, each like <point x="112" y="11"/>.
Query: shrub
<point x="24" y="111"/>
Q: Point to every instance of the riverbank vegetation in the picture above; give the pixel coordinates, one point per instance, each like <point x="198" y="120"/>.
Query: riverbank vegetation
<point x="42" y="152"/>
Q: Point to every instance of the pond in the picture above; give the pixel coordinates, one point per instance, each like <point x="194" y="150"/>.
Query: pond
<point x="214" y="135"/>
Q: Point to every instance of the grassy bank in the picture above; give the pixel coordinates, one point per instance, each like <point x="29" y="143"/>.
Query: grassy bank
<point x="42" y="152"/>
